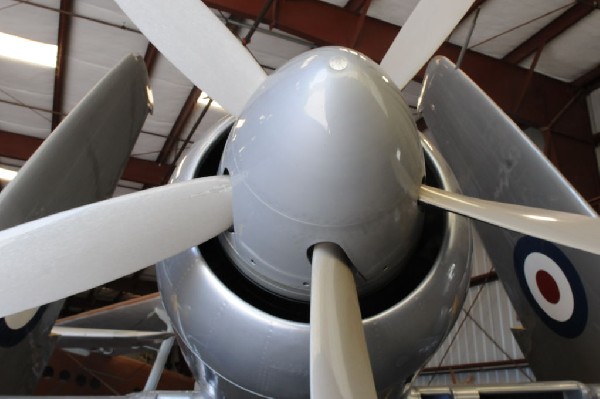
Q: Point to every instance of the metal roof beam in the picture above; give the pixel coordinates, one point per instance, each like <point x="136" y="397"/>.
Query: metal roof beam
<point x="64" y="31"/>
<point x="18" y="146"/>
<point x="474" y="367"/>
<point x="327" y="24"/>
<point x="150" y="58"/>
<point x="549" y="32"/>
<point x="476" y="4"/>
<point x="177" y="129"/>
<point x="484" y="278"/>
<point x="360" y="7"/>
<point x="356" y="5"/>
<point x="312" y="20"/>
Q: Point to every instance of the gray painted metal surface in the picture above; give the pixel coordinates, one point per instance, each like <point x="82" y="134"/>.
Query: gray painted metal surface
<point x="233" y="344"/>
<point x="81" y="162"/>
<point x="493" y="160"/>
<point x="325" y="151"/>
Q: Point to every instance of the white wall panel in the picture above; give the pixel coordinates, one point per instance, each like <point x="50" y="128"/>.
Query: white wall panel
<point x="483" y="337"/>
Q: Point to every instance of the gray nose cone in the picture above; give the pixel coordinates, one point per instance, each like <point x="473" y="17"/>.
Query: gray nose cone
<point x="326" y="150"/>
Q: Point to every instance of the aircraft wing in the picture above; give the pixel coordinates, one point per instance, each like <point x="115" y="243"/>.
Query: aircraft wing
<point x="108" y="341"/>
<point x="551" y="287"/>
<point x="120" y="328"/>
<point x="65" y="173"/>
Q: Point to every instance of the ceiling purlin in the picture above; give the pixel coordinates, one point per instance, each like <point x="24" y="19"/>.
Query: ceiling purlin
<point x="64" y="31"/>
<point x="31" y="107"/>
<point x="71" y="13"/>
<point x="475" y="6"/>
<point x="261" y="15"/>
<point x="177" y="129"/>
<point x="549" y="32"/>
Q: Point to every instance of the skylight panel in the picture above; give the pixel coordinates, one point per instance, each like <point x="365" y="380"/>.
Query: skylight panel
<point x="25" y="50"/>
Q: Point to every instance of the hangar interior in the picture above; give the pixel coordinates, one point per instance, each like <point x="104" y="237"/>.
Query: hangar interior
<point x="539" y="60"/>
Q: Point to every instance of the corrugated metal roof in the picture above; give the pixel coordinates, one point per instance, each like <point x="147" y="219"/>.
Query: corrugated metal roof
<point x="101" y="35"/>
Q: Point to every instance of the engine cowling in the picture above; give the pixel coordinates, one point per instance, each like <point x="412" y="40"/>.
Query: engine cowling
<point x="239" y="333"/>
<point x="240" y="337"/>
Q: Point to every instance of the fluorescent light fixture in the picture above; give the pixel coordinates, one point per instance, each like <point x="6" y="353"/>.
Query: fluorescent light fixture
<point x="204" y="100"/>
<point x="7" y="175"/>
<point x="26" y="50"/>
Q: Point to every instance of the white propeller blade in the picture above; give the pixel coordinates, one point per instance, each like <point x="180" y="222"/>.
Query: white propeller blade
<point x="572" y="230"/>
<point x="422" y="34"/>
<point x="200" y="46"/>
<point x="339" y="360"/>
<point x="75" y="250"/>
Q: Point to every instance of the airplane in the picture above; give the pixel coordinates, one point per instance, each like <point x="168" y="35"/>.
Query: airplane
<point x="270" y="306"/>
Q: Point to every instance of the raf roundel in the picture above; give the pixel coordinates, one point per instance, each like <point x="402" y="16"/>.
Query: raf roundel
<point x="551" y="285"/>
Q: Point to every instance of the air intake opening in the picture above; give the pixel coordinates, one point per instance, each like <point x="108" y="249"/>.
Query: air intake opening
<point x="419" y="265"/>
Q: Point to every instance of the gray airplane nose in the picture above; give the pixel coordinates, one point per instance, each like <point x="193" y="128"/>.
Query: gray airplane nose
<point x="326" y="150"/>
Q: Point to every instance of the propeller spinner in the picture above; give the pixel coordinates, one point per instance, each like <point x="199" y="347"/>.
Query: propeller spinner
<point x="325" y="151"/>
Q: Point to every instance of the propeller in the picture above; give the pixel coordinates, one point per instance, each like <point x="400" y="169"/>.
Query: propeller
<point x="572" y="230"/>
<point x="421" y="35"/>
<point x="339" y="360"/>
<point x="200" y="46"/>
<point x="81" y="248"/>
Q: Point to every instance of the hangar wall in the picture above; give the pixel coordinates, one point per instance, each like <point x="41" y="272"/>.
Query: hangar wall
<point x="480" y="349"/>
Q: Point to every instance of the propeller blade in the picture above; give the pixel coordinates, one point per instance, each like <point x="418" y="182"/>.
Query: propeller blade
<point x="200" y="46"/>
<point x="572" y="230"/>
<point x="81" y="248"/>
<point x="422" y="34"/>
<point x="339" y="360"/>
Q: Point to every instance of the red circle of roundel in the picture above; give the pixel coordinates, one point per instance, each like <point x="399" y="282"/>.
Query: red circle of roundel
<point x="548" y="286"/>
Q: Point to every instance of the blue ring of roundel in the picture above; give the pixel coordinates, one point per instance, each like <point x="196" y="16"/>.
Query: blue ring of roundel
<point x="575" y="325"/>
<point x="10" y="337"/>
